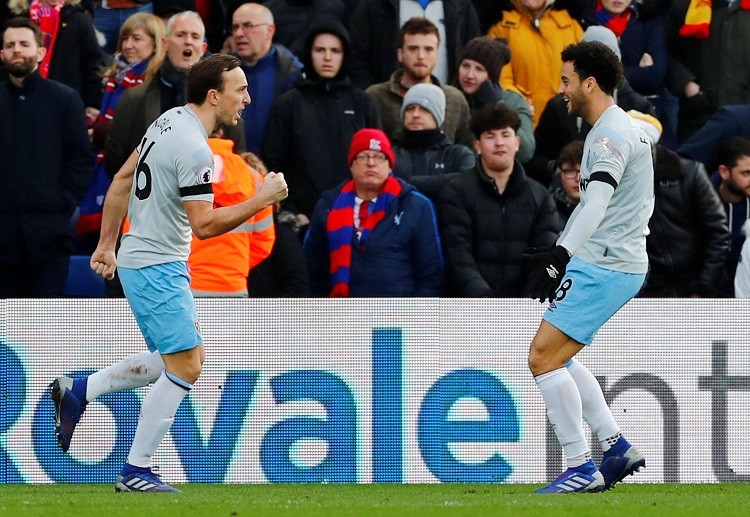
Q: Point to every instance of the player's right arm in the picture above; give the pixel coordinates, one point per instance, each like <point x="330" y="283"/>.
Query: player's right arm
<point x="207" y="221"/>
<point x="115" y="207"/>
<point x="587" y="217"/>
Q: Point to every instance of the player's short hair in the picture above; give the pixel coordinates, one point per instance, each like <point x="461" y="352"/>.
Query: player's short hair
<point x="571" y="153"/>
<point x="416" y="25"/>
<point x="19" y="22"/>
<point x="597" y="60"/>
<point x="208" y="74"/>
<point x="493" y="116"/>
<point x="731" y="150"/>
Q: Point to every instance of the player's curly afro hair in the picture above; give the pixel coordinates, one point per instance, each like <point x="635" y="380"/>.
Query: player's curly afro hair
<point x="595" y="59"/>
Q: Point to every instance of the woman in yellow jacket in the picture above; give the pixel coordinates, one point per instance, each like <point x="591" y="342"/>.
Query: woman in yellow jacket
<point x="536" y="35"/>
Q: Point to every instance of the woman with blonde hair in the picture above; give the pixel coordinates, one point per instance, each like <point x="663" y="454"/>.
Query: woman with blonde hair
<point x="139" y="56"/>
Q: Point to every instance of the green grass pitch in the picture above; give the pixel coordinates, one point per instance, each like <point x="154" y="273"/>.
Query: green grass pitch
<point x="631" y="500"/>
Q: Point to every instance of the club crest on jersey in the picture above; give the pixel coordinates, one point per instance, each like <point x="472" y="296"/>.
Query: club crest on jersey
<point x="375" y="145"/>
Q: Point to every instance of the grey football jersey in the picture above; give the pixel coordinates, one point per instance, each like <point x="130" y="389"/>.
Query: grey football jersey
<point x="616" y="146"/>
<point x="175" y="164"/>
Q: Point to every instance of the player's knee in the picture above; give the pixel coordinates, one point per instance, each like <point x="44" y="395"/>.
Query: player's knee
<point x="534" y="362"/>
<point x="538" y="362"/>
<point x="193" y="370"/>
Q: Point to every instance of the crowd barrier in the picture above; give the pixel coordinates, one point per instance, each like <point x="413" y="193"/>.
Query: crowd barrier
<point x="379" y="390"/>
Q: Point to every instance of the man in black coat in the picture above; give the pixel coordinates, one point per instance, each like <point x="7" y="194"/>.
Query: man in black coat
<point x="425" y="156"/>
<point x="689" y="238"/>
<point x="40" y="189"/>
<point x="310" y="126"/>
<point x="490" y="214"/>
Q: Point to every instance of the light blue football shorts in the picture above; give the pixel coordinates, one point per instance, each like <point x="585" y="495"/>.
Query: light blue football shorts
<point x="163" y="306"/>
<point x="588" y="296"/>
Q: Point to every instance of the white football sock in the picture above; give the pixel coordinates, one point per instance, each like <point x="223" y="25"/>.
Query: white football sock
<point x="157" y="415"/>
<point x="564" y="411"/>
<point x="132" y="372"/>
<point x="595" y="410"/>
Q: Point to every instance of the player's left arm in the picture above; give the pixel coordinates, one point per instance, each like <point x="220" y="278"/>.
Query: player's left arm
<point x="207" y="221"/>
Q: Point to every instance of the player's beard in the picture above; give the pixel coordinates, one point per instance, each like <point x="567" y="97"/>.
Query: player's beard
<point x="22" y="69"/>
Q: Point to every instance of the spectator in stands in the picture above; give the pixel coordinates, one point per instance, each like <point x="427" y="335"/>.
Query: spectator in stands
<point x="732" y="181"/>
<point x="377" y="26"/>
<point x="689" y="238"/>
<point x="565" y="186"/>
<point x="220" y="266"/>
<point x="726" y="122"/>
<point x="271" y="69"/>
<point x="645" y="59"/>
<point x="482" y="59"/>
<point x="46" y="166"/>
<point x="556" y="127"/>
<point x="374" y="235"/>
<point x="536" y="34"/>
<point x="642" y="43"/>
<point x="742" y="278"/>
<point x="493" y="212"/>
<point x="425" y="157"/>
<point x="709" y="58"/>
<point x="418" y="42"/>
<point x="293" y="19"/>
<point x="110" y="16"/>
<point x="73" y="55"/>
<point x="283" y="274"/>
<point x="311" y="125"/>
<point x="138" y="57"/>
<point x="140" y="106"/>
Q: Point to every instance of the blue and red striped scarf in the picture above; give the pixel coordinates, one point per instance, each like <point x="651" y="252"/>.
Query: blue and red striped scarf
<point x="617" y="23"/>
<point x="340" y="228"/>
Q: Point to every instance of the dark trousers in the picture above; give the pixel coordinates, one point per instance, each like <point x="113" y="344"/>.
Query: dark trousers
<point x="42" y="280"/>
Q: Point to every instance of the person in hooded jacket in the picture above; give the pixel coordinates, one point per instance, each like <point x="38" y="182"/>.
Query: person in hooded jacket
<point x="310" y="126"/>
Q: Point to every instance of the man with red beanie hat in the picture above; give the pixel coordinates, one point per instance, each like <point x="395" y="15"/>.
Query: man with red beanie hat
<point x="374" y="235"/>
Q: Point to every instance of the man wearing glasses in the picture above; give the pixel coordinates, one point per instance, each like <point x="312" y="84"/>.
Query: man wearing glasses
<point x="271" y="69"/>
<point x="374" y="235"/>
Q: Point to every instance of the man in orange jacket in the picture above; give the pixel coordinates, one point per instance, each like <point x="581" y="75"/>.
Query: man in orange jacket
<point x="219" y="266"/>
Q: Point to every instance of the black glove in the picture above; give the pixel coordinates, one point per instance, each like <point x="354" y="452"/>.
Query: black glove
<point x="547" y="271"/>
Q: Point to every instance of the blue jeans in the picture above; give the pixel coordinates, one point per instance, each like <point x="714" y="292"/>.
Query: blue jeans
<point x="109" y="21"/>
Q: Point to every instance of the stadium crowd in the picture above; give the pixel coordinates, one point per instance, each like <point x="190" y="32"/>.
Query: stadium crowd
<point x="425" y="143"/>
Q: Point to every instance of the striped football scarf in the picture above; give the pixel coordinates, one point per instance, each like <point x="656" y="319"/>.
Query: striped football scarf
<point x="698" y="18"/>
<point x="340" y="228"/>
<point x="48" y="19"/>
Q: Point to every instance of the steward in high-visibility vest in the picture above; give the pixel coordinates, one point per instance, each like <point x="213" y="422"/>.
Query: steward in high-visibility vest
<point x="219" y="266"/>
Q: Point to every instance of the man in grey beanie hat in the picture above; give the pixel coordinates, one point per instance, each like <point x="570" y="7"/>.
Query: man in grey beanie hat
<point x="425" y="156"/>
<point x="603" y="35"/>
<point x="427" y="96"/>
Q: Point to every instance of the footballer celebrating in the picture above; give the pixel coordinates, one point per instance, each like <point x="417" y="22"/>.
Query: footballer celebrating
<point x="165" y="187"/>
<point x="598" y="264"/>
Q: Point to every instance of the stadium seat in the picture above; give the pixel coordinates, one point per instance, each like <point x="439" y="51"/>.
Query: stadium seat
<point x="82" y="281"/>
